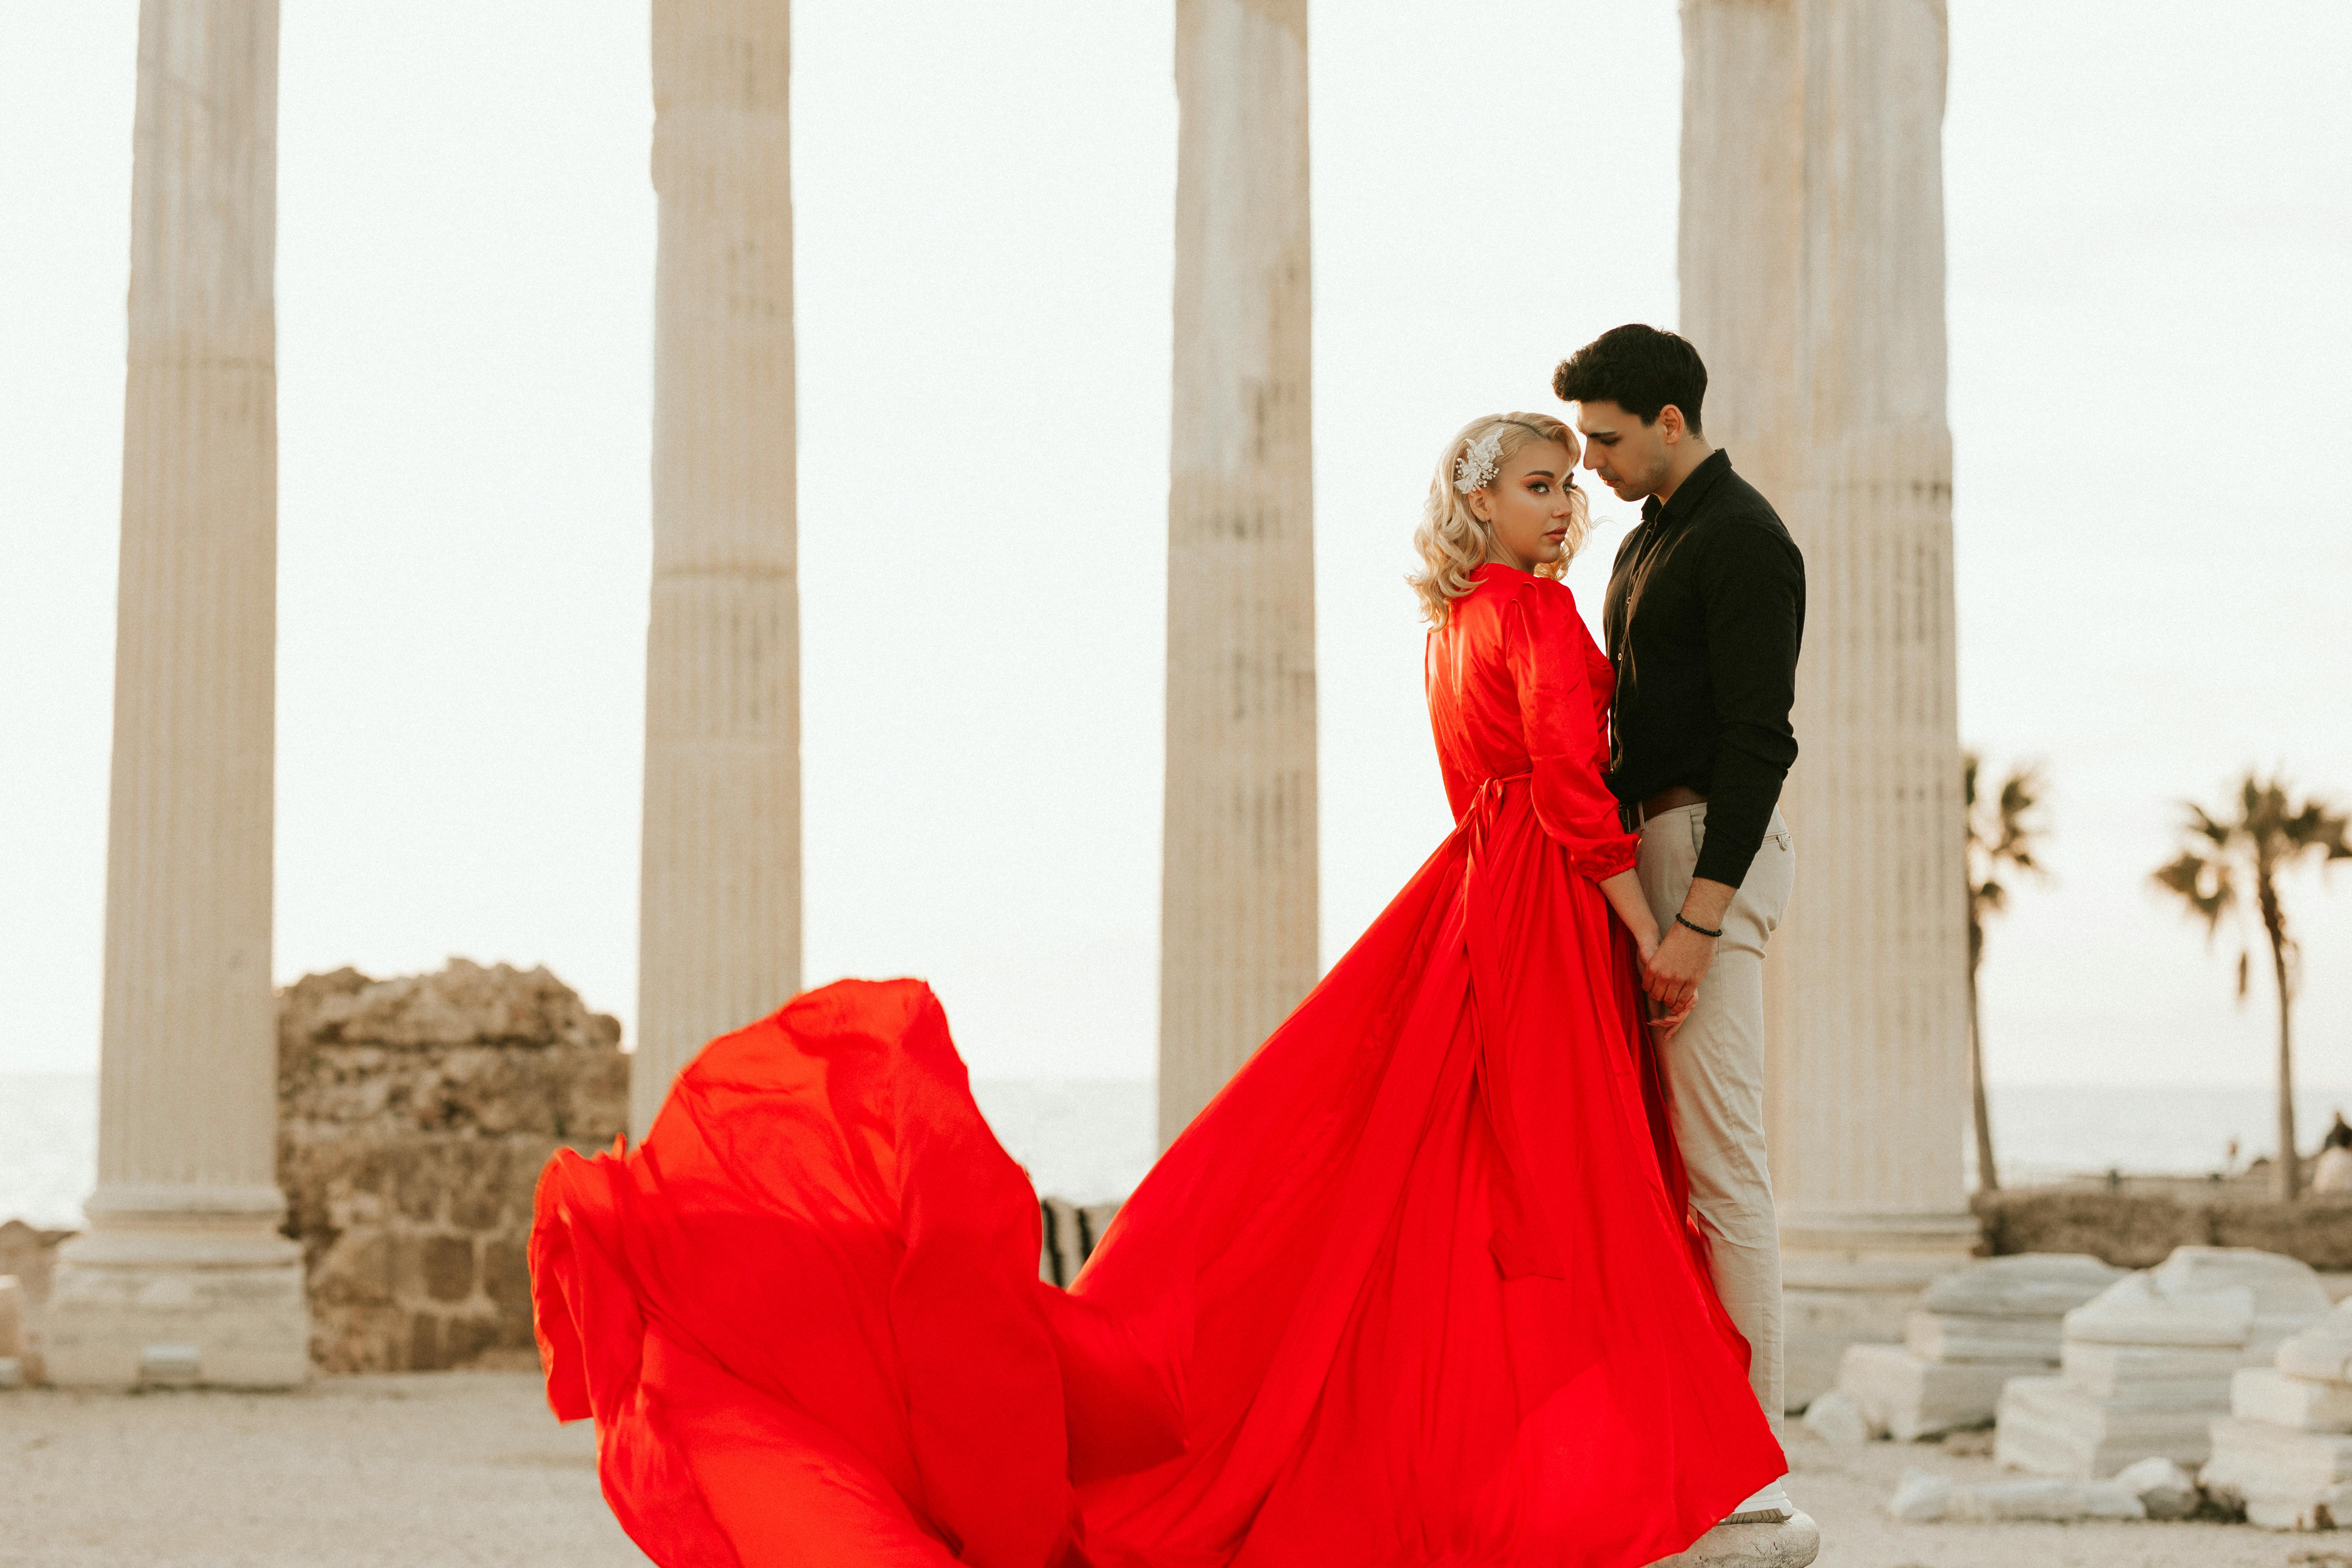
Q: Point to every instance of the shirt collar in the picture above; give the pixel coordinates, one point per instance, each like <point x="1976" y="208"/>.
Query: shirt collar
<point x="1693" y="488"/>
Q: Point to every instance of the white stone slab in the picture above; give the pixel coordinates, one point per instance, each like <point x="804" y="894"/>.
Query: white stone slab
<point x="1836" y="1419"/>
<point x="2286" y="1480"/>
<point x="1956" y="1337"/>
<point x="2322" y="1352"/>
<point x="2205" y="1295"/>
<point x="2052" y="1499"/>
<point x="2048" y="1427"/>
<point x="2155" y="1376"/>
<point x="2133" y="1313"/>
<point x="1922" y="1498"/>
<point x="2030" y="1285"/>
<point x="1907" y="1396"/>
<point x="2287" y="1292"/>
<point x="2266" y="1393"/>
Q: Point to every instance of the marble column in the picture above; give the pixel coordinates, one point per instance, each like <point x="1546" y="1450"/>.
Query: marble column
<point x="719" y="912"/>
<point x="1239" y="893"/>
<point x="1812" y="277"/>
<point x="182" y="1276"/>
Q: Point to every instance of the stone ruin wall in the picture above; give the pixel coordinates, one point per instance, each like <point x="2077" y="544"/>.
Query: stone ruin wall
<point x="413" y="1117"/>
<point x="2138" y="1225"/>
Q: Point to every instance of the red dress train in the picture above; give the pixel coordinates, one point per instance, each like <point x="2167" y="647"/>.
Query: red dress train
<point x="1417" y="1288"/>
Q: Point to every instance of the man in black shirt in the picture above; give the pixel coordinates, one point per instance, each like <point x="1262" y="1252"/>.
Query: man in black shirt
<point x="1704" y="613"/>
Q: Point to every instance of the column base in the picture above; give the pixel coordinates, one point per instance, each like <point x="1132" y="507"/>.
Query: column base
<point x="1792" y="1544"/>
<point x="1849" y="1279"/>
<point x="188" y="1297"/>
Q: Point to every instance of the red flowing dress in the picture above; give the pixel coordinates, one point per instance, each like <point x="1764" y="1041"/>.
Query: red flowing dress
<point x="1419" y="1287"/>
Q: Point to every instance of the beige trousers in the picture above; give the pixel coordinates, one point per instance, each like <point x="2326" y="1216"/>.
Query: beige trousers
<point x="1715" y="1071"/>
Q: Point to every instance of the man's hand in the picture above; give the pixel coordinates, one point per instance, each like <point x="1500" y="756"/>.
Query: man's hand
<point x="1681" y="962"/>
<point x="1671" y="976"/>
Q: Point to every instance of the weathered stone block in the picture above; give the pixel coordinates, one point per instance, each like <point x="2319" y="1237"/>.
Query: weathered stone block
<point x="2040" y="1286"/>
<point x="2048" y="1426"/>
<point x="2285" y="1479"/>
<point x="2322" y="1352"/>
<point x="1950" y="1337"/>
<point x="2266" y="1393"/>
<point x="240" y="1326"/>
<point x="2206" y="1297"/>
<point x="2286" y="1292"/>
<point x="1835" y="1419"/>
<point x="2154" y="1376"/>
<point x="2056" y="1501"/>
<point x="30" y="1257"/>
<point x="2133" y="1313"/>
<point x="415" y="1114"/>
<point x="1921" y="1498"/>
<point x="1907" y="1396"/>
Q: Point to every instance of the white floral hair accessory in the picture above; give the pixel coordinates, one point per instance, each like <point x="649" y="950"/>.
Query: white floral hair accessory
<point x="1475" y="468"/>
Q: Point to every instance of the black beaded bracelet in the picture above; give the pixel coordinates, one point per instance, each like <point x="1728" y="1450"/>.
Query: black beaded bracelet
<point x="1693" y="925"/>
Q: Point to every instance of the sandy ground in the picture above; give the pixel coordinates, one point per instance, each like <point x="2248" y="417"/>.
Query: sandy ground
<point x="468" y="1468"/>
<point x="397" y="1471"/>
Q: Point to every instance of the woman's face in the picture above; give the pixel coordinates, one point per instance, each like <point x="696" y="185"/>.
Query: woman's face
<point x="1527" y="507"/>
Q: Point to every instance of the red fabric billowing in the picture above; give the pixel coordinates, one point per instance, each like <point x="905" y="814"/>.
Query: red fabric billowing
<point x="1415" y="1289"/>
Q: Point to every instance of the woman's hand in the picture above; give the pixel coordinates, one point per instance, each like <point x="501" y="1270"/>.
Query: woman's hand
<point x="1624" y="892"/>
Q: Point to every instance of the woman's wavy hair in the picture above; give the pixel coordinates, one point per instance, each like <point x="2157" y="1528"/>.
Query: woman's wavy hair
<point x="1453" y="542"/>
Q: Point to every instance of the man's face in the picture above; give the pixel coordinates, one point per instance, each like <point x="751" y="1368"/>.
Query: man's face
<point x="1624" y="453"/>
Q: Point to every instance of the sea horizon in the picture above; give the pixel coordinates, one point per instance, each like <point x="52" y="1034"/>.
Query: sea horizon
<point x="1091" y="1138"/>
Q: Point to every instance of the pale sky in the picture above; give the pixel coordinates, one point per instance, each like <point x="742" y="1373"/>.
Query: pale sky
<point x="2150" y="237"/>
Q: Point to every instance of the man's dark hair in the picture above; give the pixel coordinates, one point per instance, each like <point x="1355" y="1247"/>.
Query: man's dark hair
<point x="1640" y="369"/>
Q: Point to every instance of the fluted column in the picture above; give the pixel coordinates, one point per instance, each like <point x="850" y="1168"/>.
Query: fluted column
<point x="182" y="1276"/>
<point x="1813" y="196"/>
<point x="720" y="916"/>
<point x="1238" y="902"/>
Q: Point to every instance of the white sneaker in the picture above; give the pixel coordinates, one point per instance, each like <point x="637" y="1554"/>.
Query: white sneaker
<point x="1770" y="1506"/>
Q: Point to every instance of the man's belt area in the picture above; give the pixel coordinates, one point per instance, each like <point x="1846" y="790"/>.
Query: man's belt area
<point x="1674" y="797"/>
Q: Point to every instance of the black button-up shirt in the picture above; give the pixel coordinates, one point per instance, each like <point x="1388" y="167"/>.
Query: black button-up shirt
<point x="1705" y="611"/>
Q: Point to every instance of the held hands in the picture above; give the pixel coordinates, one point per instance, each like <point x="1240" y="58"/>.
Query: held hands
<point x="1663" y="1022"/>
<point x="1672" y="973"/>
<point x="1672" y="977"/>
<point x="1624" y="894"/>
<point x="1674" y="962"/>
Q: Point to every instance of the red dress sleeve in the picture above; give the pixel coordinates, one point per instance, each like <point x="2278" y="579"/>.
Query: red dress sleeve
<point x="1543" y="644"/>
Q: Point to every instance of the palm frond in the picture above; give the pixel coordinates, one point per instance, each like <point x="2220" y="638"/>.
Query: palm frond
<point x="2208" y="887"/>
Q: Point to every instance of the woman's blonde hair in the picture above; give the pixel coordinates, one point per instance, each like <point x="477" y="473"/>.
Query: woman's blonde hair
<point x="1453" y="542"/>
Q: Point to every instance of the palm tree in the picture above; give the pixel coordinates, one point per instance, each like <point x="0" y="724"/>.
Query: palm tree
<point x="2003" y="834"/>
<point x="2219" y="859"/>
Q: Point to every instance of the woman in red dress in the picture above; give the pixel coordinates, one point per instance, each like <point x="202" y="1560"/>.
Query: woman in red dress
<point x="1417" y="1288"/>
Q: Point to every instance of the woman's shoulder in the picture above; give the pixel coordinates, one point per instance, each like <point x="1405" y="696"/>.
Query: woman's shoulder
<point x="1546" y="597"/>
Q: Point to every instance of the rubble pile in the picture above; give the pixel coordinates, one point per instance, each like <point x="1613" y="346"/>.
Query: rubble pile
<point x="2146" y="1365"/>
<point x="1973" y="1331"/>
